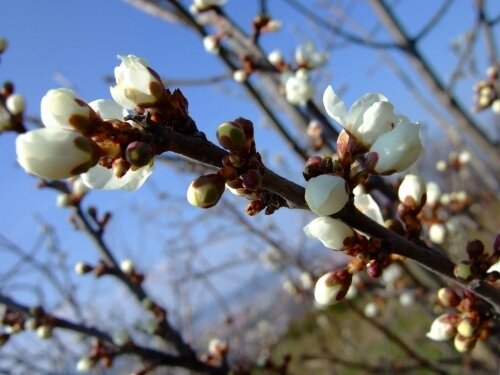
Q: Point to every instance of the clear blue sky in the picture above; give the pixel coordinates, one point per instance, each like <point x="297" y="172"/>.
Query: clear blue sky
<point x="79" y="40"/>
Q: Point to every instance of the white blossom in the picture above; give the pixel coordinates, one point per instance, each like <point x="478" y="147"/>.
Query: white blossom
<point x="211" y="44"/>
<point x="433" y="193"/>
<point x="108" y="109"/>
<point x="397" y="149"/>
<point x="298" y="88"/>
<point x="327" y="291"/>
<point x="240" y="75"/>
<point x="495" y="106"/>
<point x="61" y="109"/>
<point x="495" y="267"/>
<point x="331" y="232"/>
<point x="367" y="205"/>
<point x="371" y="310"/>
<point x="306" y="55"/>
<point x="442" y="328"/>
<point x="135" y="85"/>
<point x="100" y="177"/>
<point x="84" y="364"/>
<point x="326" y="194"/>
<point x="368" y="118"/>
<point x="54" y="153"/>
<point x="437" y="233"/>
<point x="15" y="103"/>
<point x="413" y="187"/>
<point x="275" y="57"/>
<point x="127" y="266"/>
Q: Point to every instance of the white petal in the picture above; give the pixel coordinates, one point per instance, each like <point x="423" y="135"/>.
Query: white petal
<point x="100" y="177"/>
<point x="367" y="205"/>
<point x="108" y="109"/>
<point x="326" y="194"/>
<point x="334" y="106"/>
<point x="331" y="232"/>
<point x="378" y="119"/>
<point x="355" y="115"/>
<point x="53" y="153"/>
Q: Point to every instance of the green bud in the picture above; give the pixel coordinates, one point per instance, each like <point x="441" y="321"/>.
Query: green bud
<point x="206" y="191"/>
<point x="232" y="137"/>
<point x="139" y="154"/>
<point x="462" y="271"/>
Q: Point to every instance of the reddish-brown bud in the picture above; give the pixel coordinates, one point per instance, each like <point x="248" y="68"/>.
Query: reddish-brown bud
<point x="374" y="269"/>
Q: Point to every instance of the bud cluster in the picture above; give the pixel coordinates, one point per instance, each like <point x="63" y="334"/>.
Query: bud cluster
<point x="487" y="92"/>
<point x="241" y="172"/>
<point x="481" y="264"/>
<point x="12" y="107"/>
<point x="100" y="140"/>
<point x="466" y="323"/>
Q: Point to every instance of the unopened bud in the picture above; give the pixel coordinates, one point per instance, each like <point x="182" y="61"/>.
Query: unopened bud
<point x="464" y="344"/>
<point x="206" y="190"/>
<point x="63" y="200"/>
<point x="462" y="271"/>
<point x="16" y="104"/>
<point x="3" y="45"/>
<point x="127" y="266"/>
<point x="82" y="268"/>
<point x="240" y="75"/>
<point x="85" y="364"/>
<point x="475" y="249"/>
<point x="31" y="324"/>
<point x="139" y="154"/>
<point x="448" y="297"/>
<point x="374" y="269"/>
<point x="467" y="327"/>
<point x="252" y="179"/>
<point x="232" y="137"/>
<point x="4" y="337"/>
<point x="332" y="287"/>
<point x="442" y="328"/>
<point x="44" y="332"/>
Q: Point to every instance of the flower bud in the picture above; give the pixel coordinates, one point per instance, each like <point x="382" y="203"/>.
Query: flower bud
<point x="31" y="324"/>
<point x="85" y="364"/>
<point x="232" y="137"/>
<point x="127" y="266"/>
<point x="139" y="154"/>
<point x="16" y="104"/>
<point x="206" y="191"/>
<point x="61" y="109"/>
<point x="447" y="297"/>
<point x="371" y="310"/>
<point x="3" y="45"/>
<point x="54" y="154"/>
<point x="437" y="233"/>
<point x="374" y="269"/>
<point x="120" y="337"/>
<point x="331" y="232"/>
<point x="475" y="249"/>
<point x="63" y="200"/>
<point x="298" y="88"/>
<point x="252" y="179"/>
<point x="82" y="268"/>
<point x="442" y="328"/>
<point x="326" y="194"/>
<point x="275" y="57"/>
<point x="412" y="190"/>
<point x="211" y="44"/>
<point x="462" y="271"/>
<point x="217" y="347"/>
<point x="136" y="84"/>
<point x="332" y="287"/>
<point x="464" y="344"/>
<point x="44" y="332"/>
<point x="467" y="327"/>
<point x="240" y="75"/>
<point x="4" y="337"/>
<point x="433" y="193"/>
<point x="397" y="149"/>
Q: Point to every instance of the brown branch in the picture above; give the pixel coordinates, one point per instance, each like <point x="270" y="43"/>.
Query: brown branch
<point x="148" y="354"/>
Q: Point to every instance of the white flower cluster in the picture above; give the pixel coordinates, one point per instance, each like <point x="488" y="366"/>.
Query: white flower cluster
<point x="372" y="121"/>
<point x="64" y="147"/>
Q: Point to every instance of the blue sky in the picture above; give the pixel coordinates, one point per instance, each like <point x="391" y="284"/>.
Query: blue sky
<point x="58" y="41"/>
